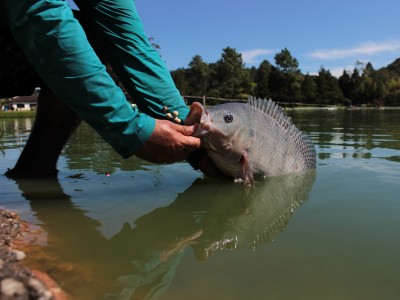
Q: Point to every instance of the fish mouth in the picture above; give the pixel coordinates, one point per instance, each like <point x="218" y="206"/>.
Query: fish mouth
<point x="209" y="133"/>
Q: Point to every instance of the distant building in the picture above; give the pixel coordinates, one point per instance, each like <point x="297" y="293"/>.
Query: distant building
<point x="22" y="102"/>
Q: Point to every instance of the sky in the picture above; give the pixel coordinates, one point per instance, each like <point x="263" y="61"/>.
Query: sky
<point x="318" y="33"/>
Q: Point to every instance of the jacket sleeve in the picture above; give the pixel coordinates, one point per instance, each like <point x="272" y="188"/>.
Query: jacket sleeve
<point x="57" y="47"/>
<point x="119" y="34"/>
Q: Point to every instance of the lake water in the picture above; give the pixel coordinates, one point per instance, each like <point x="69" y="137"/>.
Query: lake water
<point x="125" y="229"/>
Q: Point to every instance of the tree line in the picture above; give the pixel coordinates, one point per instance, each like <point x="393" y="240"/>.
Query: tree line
<point x="284" y="82"/>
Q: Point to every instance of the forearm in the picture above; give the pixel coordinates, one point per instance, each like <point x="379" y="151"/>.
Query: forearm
<point x="121" y="37"/>
<point x="57" y="47"/>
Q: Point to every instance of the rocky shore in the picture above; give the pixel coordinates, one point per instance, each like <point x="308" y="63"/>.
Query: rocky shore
<point x="17" y="281"/>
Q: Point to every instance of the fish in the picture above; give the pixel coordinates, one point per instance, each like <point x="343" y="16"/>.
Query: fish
<point x="252" y="140"/>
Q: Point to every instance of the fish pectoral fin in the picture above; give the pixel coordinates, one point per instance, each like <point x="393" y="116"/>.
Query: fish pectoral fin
<point x="246" y="169"/>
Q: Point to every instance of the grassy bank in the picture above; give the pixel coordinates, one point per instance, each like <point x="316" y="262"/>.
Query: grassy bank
<point x="17" y="114"/>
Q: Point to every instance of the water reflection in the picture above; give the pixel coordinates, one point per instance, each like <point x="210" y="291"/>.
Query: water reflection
<point x="360" y="133"/>
<point x="139" y="262"/>
<point x="348" y="134"/>
<point x="14" y="133"/>
<point x="92" y="255"/>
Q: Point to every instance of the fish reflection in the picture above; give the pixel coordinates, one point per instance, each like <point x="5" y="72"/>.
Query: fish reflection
<point x="139" y="262"/>
<point x="240" y="217"/>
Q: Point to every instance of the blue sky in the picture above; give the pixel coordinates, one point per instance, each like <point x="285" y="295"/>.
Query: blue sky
<point x="333" y="34"/>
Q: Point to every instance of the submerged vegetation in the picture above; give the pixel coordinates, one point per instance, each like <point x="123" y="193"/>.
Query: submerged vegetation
<point x="284" y="82"/>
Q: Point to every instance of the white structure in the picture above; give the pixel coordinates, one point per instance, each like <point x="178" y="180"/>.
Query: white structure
<point x="22" y="102"/>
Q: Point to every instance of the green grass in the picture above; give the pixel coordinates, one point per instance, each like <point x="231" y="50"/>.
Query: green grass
<point x="17" y="114"/>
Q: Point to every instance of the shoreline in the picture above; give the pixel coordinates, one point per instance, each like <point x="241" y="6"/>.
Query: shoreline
<point x="17" y="280"/>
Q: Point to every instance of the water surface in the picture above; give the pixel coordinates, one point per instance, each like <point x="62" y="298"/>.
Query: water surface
<point x="127" y="229"/>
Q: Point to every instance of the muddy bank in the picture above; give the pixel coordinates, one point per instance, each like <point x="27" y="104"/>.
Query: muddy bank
<point x="16" y="280"/>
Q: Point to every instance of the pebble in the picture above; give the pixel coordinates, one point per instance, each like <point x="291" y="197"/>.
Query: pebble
<point x="17" y="282"/>
<point x="13" y="288"/>
<point x="19" y="255"/>
<point x="36" y="285"/>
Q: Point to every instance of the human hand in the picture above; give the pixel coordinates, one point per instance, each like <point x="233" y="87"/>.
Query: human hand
<point x="169" y="143"/>
<point x="202" y="161"/>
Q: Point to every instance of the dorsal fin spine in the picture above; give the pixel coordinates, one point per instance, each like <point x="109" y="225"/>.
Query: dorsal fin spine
<point x="275" y="112"/>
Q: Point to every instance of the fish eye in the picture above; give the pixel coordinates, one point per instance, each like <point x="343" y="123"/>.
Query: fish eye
<point x="228" y="118"/>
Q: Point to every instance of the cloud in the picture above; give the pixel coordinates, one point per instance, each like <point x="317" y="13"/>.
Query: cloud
<point x="335" y="71"/>
<point x="338" y="71"/>
<point x="249" y="56"/>
<point x="368" y="48"/>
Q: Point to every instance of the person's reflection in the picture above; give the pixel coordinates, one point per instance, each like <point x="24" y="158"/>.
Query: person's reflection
<point x="72" y="237"/>
<point x="142" y="259"/>
<point x="209" y="216"/>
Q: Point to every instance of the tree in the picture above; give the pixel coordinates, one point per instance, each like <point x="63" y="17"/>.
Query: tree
<point x="179" y="77"/>
<point x="286" y="78"/>
<point x="154" y="44"/>
<point x="261" y="79"/>
<point x="229" y="78"/>
<point x="277" y="85"/>
<point x="328" y="88"/>
<point x="394" y="68"/>
<point x="309" y="89"/>
<point x="356" y="93"/>
<point x="368" y="70"/>
<point x="371" y="88"/>
<point x="197" y="76"/>
<point x="346" y="85"/>
<point x="385" y="78"/>
<point x="392" y="96"/>
<point x="285" y="62"/>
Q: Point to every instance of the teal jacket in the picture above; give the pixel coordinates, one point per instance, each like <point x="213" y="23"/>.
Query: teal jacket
<point x="56" y="45"/>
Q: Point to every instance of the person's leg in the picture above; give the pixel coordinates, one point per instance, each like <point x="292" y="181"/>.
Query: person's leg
<point x="54" y="121"/>
<point x="53" y="126"/>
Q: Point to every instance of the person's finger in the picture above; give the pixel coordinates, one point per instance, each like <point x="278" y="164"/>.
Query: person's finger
<point x="185" y="130"/>
<point x="191" y="143"/>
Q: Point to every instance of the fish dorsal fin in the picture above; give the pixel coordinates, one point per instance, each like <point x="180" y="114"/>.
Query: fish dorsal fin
<point x="274" y="111"/>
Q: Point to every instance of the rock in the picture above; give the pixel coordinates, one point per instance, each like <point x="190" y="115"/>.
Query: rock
<point x="19" y="255"/>
<point x="13" y="288"/>
<point x="40" y="289"/>
<point x="36" y="285"/>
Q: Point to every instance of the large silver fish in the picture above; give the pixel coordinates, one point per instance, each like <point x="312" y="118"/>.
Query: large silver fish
<point x="253" y="139"/>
